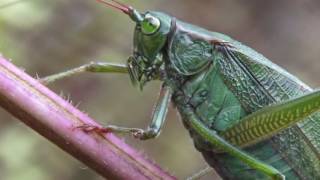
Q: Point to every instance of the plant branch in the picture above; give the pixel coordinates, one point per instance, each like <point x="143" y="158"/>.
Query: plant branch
<point x="56" y="119"/>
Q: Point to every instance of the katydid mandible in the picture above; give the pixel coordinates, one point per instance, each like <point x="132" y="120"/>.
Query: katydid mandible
<point x="247" y="116"/>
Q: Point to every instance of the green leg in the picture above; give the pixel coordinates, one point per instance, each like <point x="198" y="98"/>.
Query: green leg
<point x="220" y="143"/>
<point x="200" y="174"/>
<point x="270" y="120"/>
<point x="159" y="113"/>
<point x="153" y="130"/>
<point x="91" y="67"/>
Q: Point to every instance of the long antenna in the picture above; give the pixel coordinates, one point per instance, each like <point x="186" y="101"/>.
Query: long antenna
<point x="115" y="4"/>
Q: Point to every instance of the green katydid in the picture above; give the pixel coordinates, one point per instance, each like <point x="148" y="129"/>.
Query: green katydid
<point x="247" y="116"/>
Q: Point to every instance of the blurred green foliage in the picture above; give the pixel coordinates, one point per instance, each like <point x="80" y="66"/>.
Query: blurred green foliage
<point x="44" y="37"/>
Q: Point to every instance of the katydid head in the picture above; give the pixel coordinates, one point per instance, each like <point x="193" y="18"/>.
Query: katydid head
<point x="150" y="36"/>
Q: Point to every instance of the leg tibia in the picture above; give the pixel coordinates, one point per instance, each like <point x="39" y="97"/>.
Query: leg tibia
<point x="91" y="67"/>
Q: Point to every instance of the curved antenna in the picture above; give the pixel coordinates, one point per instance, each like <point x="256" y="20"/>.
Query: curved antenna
<point x="115" y="4"/>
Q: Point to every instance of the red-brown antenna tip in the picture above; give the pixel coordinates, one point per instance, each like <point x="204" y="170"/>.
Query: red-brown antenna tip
<point x="122" y="7"/>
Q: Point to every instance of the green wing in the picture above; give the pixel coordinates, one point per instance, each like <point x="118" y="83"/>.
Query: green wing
<point x="259" y="83"/>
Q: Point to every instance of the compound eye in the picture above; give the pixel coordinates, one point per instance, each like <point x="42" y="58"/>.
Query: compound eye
<point x="150" y="24"/>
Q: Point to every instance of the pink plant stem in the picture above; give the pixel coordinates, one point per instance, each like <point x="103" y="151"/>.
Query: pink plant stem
<point x="56" y="119"/>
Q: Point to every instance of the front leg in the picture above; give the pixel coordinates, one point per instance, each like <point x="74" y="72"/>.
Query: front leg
<point x="91" y="67"/>
<point x="153" y="130"/>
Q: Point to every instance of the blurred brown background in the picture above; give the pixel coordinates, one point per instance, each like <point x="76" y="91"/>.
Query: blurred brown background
<point x="45" y="37"/>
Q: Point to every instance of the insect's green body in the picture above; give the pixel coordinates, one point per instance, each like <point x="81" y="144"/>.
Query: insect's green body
<point x="221" y="89"/>
<point x="224" y="92"/>
<point x="228" y="96"/>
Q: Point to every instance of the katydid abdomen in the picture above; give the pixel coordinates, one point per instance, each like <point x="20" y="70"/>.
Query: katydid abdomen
<point x="222" y="93"/>
<point x="218" y="108"/>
